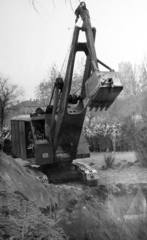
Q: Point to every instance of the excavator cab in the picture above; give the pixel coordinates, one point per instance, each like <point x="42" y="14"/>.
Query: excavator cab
<point x="29" y="140"/>
<point x="42" y="145"/>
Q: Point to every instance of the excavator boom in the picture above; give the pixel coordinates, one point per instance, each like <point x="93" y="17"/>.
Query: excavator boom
<point x="99" y="89"/>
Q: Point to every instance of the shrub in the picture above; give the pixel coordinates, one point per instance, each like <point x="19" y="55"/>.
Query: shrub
<point x="134" y="133"/>
<point x="140" y="143"/>
<point x="109" y="160"/>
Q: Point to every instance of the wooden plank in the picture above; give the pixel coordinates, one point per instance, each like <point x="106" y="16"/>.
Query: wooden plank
<point x="22" y="139"/>
<point x="13" y="138"/>
<point x="17" y="139"/>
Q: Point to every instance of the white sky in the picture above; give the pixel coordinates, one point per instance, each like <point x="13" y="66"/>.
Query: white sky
<point x="31" y="42"/>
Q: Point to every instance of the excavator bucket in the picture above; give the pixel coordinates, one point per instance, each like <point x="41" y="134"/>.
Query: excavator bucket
<point x="101" y="89"/>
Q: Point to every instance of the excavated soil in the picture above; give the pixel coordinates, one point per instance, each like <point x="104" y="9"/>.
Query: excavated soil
<point x="23" y="199"/>
<point x="30" y="208"/>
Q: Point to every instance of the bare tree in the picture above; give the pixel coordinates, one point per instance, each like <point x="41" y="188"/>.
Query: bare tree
<point x="90" y="115"/>
<point x="44" y="89"/>
<point x="143" y="75"/>
<point x="9" y="94"/>
<point x="34" y="2"/>
<point x="129" y="77"/>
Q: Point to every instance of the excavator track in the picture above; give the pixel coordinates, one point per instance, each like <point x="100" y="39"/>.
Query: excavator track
<point x="75" y="172"/>
<point x="90" y="175"/>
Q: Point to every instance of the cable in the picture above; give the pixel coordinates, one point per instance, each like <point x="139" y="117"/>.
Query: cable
<point x="77" y="90"/>
<point x="67" y="52"/>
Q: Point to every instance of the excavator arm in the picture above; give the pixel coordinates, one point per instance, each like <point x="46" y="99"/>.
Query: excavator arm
<point x="99" y="90"/>
<point x="101" y="87"/>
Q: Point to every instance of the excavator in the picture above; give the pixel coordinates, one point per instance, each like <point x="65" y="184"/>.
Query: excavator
<point x="54" y="137"/>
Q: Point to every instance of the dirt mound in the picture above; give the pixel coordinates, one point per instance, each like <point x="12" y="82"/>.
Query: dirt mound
<point x="23" y="198"/>
<point x="15" y="178"/>
<point x="20" y="219"/>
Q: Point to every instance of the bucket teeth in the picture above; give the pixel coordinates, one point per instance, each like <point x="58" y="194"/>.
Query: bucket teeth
<point x="100" y="91"/>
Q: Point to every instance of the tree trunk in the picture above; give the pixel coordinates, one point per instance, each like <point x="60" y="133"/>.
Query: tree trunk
<point x="0" y="115"/>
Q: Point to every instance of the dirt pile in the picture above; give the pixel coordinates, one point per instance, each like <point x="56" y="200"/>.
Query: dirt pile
<point x="16" y="178"/>
<point x="21" y="219"/>
<point x="22" y="201"/>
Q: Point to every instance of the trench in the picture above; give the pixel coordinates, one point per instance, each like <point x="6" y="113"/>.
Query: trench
<point x="113" y="212"/>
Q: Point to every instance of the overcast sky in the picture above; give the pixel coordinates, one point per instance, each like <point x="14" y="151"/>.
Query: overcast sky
<point x="30" y="42"/>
